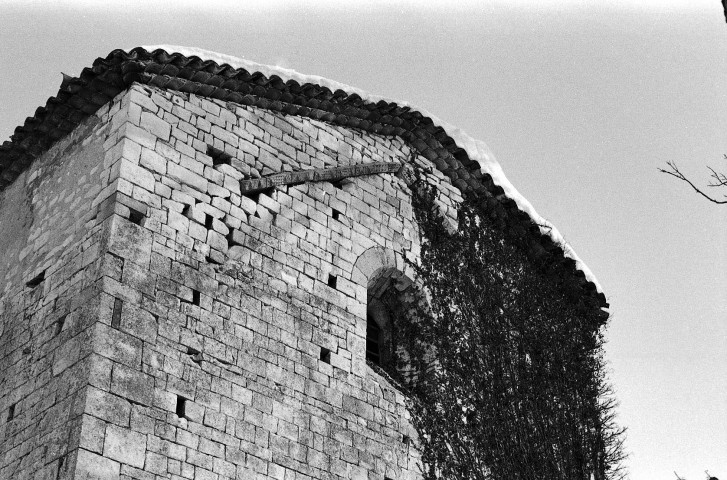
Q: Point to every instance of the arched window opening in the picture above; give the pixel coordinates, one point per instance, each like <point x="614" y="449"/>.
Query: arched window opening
<point x="390" y="297"/>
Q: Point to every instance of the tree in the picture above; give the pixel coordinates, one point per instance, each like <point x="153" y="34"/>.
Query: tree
<point x="518" y="389"/>
<point x="719" y="179"/>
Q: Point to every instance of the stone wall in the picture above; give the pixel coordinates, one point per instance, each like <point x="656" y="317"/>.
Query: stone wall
<point x="222" y="334"/>
<point x="50" y="239"/>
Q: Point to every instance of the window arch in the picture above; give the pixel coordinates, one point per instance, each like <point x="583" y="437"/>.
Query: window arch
<point x="390" y="294"/>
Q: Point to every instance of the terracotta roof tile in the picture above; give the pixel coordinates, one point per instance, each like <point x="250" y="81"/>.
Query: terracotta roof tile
<point x="80" y="97"/>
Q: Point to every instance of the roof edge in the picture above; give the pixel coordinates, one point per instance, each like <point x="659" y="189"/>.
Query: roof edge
<point x="468" y="162"/>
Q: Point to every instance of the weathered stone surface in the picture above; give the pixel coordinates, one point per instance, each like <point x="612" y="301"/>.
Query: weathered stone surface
<point x="130" y="242"/>
<point x="317" y="175"/>
<point x="108" y="407"/>
<point x="155" y="125"/>
<point x="220" y="331"/>
<point x="125" y="446"/>
<point x="90" y="466"/>
<point x="133" y="385"/>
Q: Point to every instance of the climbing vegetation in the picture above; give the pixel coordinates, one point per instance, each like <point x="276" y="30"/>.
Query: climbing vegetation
<point x="507" y="377"/>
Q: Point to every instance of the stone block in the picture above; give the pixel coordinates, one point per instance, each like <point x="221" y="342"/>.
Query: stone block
<point x="156" y="463"/>
<point x="132" y="385"/>
<point x="187" y="177"/>
<point x="130" y="241"/>
<point x="217" y="241"/>
<point x="108" y="407"/>
<point x="197" y="231"/>
<point x="155" y="125"/>
<point x="151" y="160"/>
<point x="125" y="446"/>
<point x="91" y="466"/>
<point x="66" y="355"/>
<point x="138" y="135"/>
<point x="92" y="433"/>
<point x="136" y="174"/>
<point x="270" y="161"/>
<point x="139" y="97"/>
<point x="224" y="135"/>
<point x="177" y="221"/>
<point x="117" y="346"/>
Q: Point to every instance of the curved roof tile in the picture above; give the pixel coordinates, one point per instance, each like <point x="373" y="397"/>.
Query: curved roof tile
<point x="468" y="162"/>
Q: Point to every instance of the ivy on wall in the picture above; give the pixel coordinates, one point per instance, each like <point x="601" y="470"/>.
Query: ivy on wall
<point x="510" y="380"/>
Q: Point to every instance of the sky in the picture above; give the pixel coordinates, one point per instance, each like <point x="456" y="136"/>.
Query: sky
<point x="581" y="103"/>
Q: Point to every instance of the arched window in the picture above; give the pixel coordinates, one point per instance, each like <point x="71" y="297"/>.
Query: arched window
<point x="380" y="345"/>
<point x="391" y="295"/>
<point x="388" y="300"/>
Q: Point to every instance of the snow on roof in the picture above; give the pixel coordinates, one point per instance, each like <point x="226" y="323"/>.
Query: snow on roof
<point x="477" y="150"/>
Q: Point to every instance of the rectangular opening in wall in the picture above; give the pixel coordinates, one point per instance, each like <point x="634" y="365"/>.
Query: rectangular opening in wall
<point x="59" y="325"/>
<point x="406" y="440"/>
<point x="325" y="355"/>
<point x="195" y="354"/>
<point x="11" y="412"/>
<point x="116" y="314"/>
<point x="135" y="216"/>
<point x="37" y="280"/>
<point x="181" y="406"/>
<point x="255" y="196"/>
<point x="373" y="336"/>
<point x="338" y="184"/>
<point x="208" y="221"/>
<point x="61" y="461"/>
<point x="335" y="214"/>
<point x="332" y="281"/>
<point x="212" y="260"/>
<point x="218" y="156"/>
<point x="195" y="297"/>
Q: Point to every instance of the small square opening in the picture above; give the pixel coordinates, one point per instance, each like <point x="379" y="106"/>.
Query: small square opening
<point x="208" y="221"/>
<point x="11" y="412"/>
<point x="325" y="355"/>
<point x="195" y="354"/>
<point x="181" y="406"/>
<point x="37" y="280"/>
<point x="195" y="297"/>
<point x="212" y="260"/>
<point x="59" y="325"/>
<point x="61" y="462"/>
<point x="255" y="196"/>
<point x="136" y="217"/>
<point x="218" y="156"/>
<point x="406" y="440"/>
<point x="335" y="214"/>
<point x="332" y="281"/>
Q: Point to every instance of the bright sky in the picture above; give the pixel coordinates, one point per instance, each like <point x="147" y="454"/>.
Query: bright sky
<point x="581" y="102"/>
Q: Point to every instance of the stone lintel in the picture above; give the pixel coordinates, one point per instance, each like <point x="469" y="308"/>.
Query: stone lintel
<point x="317" y="175"/>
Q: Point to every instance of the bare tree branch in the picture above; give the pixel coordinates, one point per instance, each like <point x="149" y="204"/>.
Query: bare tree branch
<point x="720" y="178"/>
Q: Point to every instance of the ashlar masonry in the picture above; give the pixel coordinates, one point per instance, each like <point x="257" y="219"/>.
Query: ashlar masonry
<point x="185" y="288"/>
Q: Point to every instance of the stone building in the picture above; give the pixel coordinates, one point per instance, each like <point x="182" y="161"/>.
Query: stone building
<point x="193" y="255"/>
